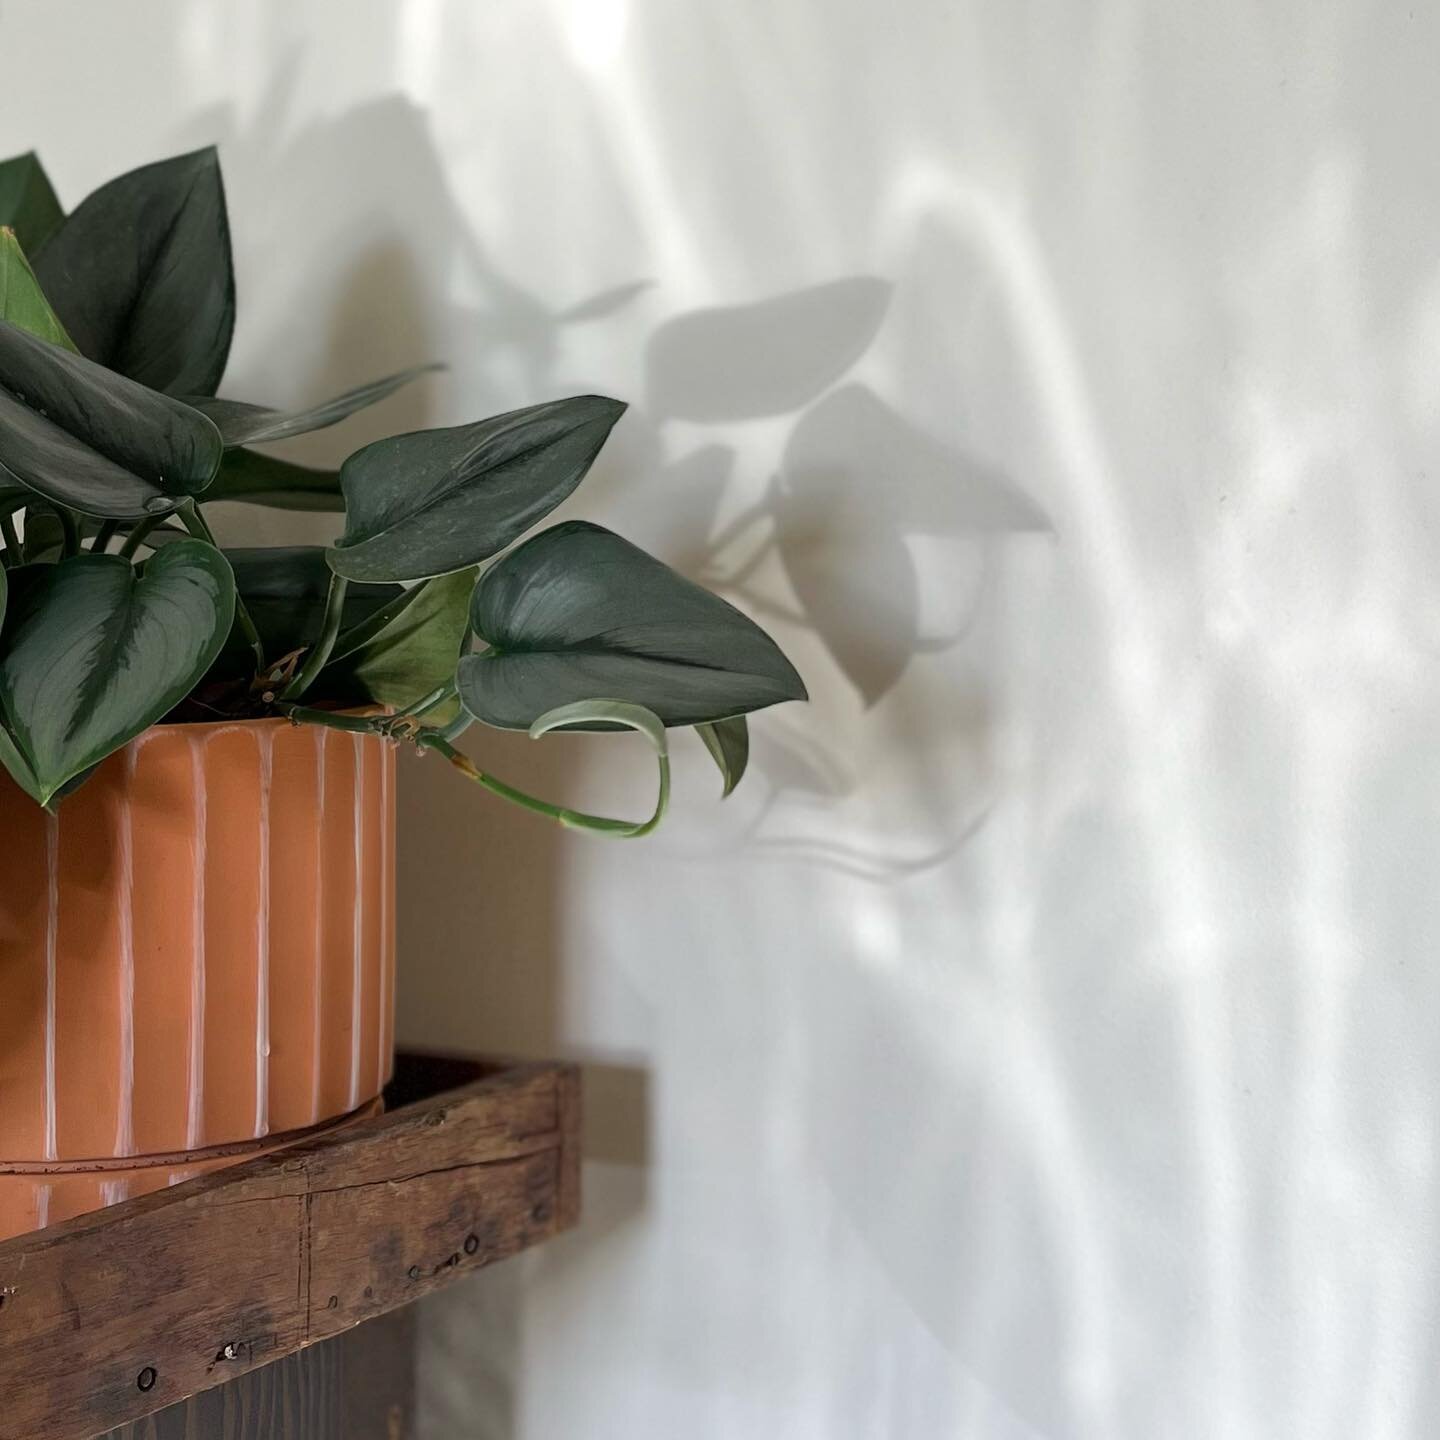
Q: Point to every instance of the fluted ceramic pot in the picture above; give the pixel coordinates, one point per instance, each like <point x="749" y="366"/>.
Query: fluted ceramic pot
<point x="196" y="959"/>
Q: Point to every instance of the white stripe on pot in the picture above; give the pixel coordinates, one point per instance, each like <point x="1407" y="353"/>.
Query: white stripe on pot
<point x="125" y="898"/>
<point x="195" y="1121"/>
<point x="112" y="1192"/>
<point x="265" y="740"/>
<point x="319" y="976"/>
<point x="359" y="936"/>
<point x="384" y="909"/>
<point x="52" y="940"/>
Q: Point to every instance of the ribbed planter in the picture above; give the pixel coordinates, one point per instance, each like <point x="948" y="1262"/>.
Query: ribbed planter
<point x="196" y="954"/>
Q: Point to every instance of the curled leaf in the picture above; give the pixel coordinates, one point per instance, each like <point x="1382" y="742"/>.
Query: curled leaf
<point x="608" y="714"/>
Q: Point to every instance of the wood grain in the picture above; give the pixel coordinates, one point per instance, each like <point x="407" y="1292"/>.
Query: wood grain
<point x="109" y="1317"/>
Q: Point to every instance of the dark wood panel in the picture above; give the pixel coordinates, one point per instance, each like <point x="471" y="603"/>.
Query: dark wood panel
<point x="112" y="1316"/>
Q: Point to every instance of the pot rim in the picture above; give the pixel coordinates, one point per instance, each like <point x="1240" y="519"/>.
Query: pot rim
<point x="252" y="722"/>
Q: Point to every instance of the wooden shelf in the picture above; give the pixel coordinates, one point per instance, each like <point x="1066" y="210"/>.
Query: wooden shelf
<point x="112" y="1316"/>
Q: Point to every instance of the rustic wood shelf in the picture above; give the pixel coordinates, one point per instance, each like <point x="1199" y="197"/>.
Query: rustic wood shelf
<point x="112" y="1316"/>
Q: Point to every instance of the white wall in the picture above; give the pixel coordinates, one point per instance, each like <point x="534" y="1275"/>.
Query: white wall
<point x="1043" y="1042"/>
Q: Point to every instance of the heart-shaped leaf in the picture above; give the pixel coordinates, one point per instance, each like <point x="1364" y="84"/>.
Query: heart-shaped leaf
<point x="90" y="439"/>
<point x="141" y="275"/>
<point x="241" y="423"/>
<point x="440" y="500"/>
<point x="94" y="652"/>
<point x="577" y="613"/>
<point x="728" y="742"/>
<point x="411" y="656"/>
<point x="27" y="200"/>
<point x="249" y="476"/>
<point x="22" y="302"/>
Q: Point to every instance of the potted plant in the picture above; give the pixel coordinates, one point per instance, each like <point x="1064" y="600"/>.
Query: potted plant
<point x="196" y="914"/>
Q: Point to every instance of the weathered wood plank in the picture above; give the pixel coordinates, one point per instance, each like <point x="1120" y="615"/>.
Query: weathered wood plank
<point x="111" y="1316"/>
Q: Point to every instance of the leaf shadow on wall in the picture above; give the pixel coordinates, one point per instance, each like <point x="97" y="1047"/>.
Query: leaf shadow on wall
<point x="866" y="517"/>
<point x="856" y="509"/>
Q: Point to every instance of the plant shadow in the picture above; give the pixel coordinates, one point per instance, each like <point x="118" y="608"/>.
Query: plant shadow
<point x="817" y="504"/>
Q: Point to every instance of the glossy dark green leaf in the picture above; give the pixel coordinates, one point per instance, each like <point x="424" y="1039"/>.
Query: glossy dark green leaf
<point x="728" y="742"/>
<point x="256" y="479"/>
<point x="577" y="613"/>
<point x="241" y="423"/>
<point x="441" y="500"/>
<point x="27" y="200"/>
<point x="141" y="275"/>
<point x="412" y="655"/>
<point x="284" y="589"/>
<point x="94" y="651"/>
<point x="44" y="536"/>
<point x="22" y="301"/>
<point x="92" y="440"/>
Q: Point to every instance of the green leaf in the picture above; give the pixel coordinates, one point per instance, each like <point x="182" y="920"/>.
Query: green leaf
<point x="728" y="742"/>
<point x="440" y="500"/>
<point x="611" y="715"/>
<point x="412" y="655"/>
<point x="241" y="423"/>
<point x="284" y="589"/>
<point x="83" y="436"/>
<point x="44" y="536"/>
<point x="95" y="652"/>
<point x="22" y="301"/>
<point x="27" y="200"/>
<point x="247" y="475"/>
<point x="141" y="275"/>
<point x="578" y="612"/>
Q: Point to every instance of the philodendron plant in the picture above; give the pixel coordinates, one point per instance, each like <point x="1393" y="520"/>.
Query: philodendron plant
<point x="120" y="610"/>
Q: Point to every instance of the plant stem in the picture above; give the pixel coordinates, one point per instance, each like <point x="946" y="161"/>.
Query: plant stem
<point x="738" y="526"/>
<point x="194" y="522"/>
<point x="571" y="819"/>
<point x="333" y="720"/>
<point x="361" y="634"/>
<point x="133" y="540"/>
<point x="69" y="528"/>
<point x="439" y="694"/>
<point x="315" y="661"/>
<point x="459" y="725"/>
<point x="102" y="536"/>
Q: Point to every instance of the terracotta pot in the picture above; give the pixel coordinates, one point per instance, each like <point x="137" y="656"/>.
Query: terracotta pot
<point x="32" y="1197"/>
<point x="198" y="951"/>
